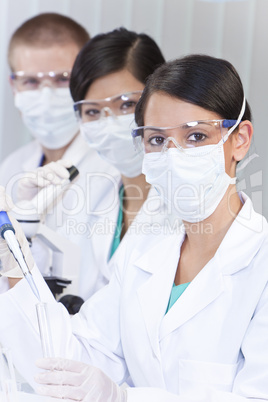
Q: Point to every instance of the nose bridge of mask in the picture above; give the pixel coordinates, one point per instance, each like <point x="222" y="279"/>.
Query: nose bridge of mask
<point x="46" y="95"/>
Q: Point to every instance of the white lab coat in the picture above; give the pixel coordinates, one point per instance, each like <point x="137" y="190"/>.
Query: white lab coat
<point x="94" y="193"/>
<point x="212" y="344"/>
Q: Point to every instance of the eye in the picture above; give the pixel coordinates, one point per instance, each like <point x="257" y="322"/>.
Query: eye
<point x="196" y="137"/>
<point x="128" y="105"/>
<point x="91" y="114"/>
<point x="62" y="81"/>
<point x="156" y="141"/>
<point x="30" y="82"/>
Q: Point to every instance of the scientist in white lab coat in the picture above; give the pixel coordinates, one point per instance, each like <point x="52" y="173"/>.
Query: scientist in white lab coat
<point x="107" y="80"/>
<point x="41" y="54"/>
<point x="184" y="317"/>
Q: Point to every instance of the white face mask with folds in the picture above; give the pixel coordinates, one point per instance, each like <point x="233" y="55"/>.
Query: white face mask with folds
<point x="192" y="186"/>
<point x="49" y="115"/>
<point x="111" y="138"/>
<point x="192" y="181"/>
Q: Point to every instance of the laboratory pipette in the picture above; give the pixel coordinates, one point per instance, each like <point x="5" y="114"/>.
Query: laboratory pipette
<point x="7" y="232"/>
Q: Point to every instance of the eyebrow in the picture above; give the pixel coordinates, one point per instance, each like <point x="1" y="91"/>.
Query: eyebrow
<point x="91" y="103"/>
<point x="154" y="129"/>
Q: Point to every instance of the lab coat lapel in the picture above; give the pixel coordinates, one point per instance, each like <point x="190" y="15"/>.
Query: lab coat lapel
<point x="248" y="228"/>
<point x="203" y="290"/>
<point x="34" y="161"/>
<point x="77" y="151"/>
<point x="103" y="225"/>
<point x="161" y="261"/>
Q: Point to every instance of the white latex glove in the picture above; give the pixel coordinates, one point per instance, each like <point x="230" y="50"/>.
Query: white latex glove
<point x="75" y="381"/>
<point x="32" y="182"/>
<point x="8" y="264"/>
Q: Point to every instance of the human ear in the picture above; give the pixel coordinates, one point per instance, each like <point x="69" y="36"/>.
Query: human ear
<point x="242" y="140"/>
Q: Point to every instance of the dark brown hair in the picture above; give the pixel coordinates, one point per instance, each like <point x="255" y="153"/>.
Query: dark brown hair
<point x="202" y="80"/>
<point x="111" y="52"/>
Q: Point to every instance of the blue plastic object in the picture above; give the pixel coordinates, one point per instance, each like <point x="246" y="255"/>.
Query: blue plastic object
<point x="5" y="223"/>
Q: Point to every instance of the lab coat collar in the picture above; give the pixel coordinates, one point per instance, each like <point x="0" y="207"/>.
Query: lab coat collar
<point x="154" y="203"/>
<point x="77" y="151"/>
<point x="161" y="261"/>
<point x="34" y="161"/>
<point x="250" y="229"/>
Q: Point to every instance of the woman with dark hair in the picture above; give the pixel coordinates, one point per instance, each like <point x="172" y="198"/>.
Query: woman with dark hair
<point x="185" y="316"/>
<point x="107" y="80"/>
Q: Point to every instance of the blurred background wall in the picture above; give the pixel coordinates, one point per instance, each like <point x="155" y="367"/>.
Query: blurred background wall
<point x="236" y="30"/>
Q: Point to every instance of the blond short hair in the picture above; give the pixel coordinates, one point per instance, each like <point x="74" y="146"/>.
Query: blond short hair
<point x="45" y="30"/>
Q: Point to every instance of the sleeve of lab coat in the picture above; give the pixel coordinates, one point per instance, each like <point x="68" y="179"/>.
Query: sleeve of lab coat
<point x="100" y="345"/>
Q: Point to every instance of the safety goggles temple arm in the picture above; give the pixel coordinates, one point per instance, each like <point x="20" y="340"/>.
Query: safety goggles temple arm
<point x="237" y="122"/>
<point x="136" y="132"/>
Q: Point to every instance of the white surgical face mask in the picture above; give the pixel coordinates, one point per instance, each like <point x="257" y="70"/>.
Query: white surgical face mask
<point x="111" y="137"/>
<point x="49" y="115"/>
<point x="190" y="182"/>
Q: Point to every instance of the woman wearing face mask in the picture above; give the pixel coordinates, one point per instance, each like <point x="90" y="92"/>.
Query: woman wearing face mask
<point x="107" y="80"/>
<point x="184" y="317"/>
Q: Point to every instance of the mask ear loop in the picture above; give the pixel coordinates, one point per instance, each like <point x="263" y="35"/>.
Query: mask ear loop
<point x="225" y="138"/>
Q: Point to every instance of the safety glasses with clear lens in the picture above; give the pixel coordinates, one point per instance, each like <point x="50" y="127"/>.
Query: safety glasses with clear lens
<point x="188" y="135"/>
<point x="24" y="81"/>
<point x="91" y="110"/>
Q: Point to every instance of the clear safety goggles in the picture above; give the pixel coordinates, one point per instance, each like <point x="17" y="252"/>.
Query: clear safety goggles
<point x="24" y="81"/>
<point x="187" y="135"/>
<point x="91" y="110"/>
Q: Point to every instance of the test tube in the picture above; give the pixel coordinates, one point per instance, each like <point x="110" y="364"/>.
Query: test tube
<point x="44" y="329"/>
<point x="8" y="387"/>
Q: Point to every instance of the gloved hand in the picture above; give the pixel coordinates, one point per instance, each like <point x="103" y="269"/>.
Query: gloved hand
<point x="8" y="264"/>
<point x="32" y="182"/>
<point x="75" y="381"/>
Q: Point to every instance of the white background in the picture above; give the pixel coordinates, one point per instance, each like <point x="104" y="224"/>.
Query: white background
<point x="234" y="30"/>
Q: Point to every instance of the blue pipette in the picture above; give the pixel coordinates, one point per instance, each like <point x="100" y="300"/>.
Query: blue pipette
<point x="7" y="232"/>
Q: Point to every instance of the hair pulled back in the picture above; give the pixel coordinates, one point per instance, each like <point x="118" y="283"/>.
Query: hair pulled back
<point x="205" y="81"/>
<point x="114" y="51"/>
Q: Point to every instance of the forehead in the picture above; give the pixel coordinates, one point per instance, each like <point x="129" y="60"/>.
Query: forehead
<point x="113" y="84"/>
<point x="53" y="58"/>
<point x="163" y="110"/>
